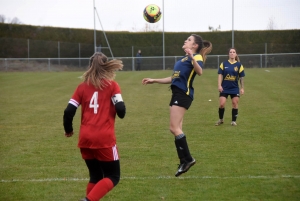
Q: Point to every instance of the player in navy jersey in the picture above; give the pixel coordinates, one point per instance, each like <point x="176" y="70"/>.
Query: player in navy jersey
<point x="100" y="99"/>
<point x="230" y="73"/>
<point x="181" y="81"/>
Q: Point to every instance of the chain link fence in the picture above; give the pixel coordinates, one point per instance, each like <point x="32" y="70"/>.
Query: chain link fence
<point x="147" y="63"/>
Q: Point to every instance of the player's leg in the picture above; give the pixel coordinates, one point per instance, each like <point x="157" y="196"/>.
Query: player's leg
<point x="186" y="160"/>
<point x="95" y="173"/>
<point x="94" y="168"/>
<point x="111" y="172"/>
<point x="234" y="112"/>
<point x="109" y="164"/>
<point x="176" y="119"/>
<point x="179" y="103"/>
<point x="222" y="102"/>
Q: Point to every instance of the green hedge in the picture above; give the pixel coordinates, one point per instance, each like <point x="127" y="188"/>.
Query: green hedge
<point x="44" y="42"/>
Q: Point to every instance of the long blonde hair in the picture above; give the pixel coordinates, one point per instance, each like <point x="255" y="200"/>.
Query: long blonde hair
<point x="237" y="57"/>
<point x="101" y="71"/>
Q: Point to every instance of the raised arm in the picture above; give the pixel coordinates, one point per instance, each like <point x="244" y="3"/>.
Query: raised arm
<point x="197" y="67"/>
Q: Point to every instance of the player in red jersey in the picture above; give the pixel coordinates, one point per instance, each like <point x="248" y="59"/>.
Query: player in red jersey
<point x="100" y="99"/>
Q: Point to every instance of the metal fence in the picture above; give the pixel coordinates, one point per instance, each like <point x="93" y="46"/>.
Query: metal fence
<point x="148" y="63"/>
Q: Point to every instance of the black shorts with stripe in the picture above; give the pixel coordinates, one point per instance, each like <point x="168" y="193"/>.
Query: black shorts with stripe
<point x="179" y="98"/>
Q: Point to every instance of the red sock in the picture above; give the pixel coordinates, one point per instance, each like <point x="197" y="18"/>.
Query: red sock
<point x="89" y="187"/>
<point x="100" y="189"/>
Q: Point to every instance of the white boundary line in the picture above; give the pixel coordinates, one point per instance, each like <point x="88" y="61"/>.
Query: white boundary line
<point x="153" y="178"/>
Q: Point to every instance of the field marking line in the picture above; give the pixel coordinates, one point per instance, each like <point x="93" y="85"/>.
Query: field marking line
<point x="158" y="177"/>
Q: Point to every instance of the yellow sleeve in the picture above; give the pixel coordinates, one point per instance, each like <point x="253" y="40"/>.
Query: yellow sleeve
<point x="241" y="69"/>
<point x="221" y="66"/>
<point x="197" y="57"/>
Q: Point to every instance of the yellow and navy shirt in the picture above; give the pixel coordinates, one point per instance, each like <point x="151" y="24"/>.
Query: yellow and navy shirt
<point x="184" y="74"/>
<point x="231" y="73"/>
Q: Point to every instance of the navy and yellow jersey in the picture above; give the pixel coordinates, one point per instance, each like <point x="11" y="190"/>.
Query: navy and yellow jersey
<point x="231" y="73"/>
<point x="184" y="74"/>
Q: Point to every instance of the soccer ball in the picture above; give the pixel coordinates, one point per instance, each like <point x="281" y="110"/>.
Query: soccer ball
<point x="152" y="13"/>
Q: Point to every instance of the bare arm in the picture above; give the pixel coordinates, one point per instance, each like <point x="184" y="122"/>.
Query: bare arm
<point x="220" y="78"/>
<point x="242" y="85"/>
<point x="166" y="80"/>
<point x="197" y="67"/>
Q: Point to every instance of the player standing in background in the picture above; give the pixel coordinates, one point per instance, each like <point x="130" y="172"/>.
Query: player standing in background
<point x="230" y="73"/>
<point x="138" y="60"/>
<point x="181" y="81"/>
<point x="100" y="99"/>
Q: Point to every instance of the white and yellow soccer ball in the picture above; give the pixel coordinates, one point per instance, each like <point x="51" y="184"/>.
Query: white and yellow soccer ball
<point x="152" y="13"/>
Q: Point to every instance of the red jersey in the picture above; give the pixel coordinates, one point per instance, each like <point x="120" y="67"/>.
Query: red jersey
<point x="97" y="129"/>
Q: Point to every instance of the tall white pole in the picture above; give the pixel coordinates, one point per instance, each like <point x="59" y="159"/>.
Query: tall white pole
<point x="163" y="11"/>
<point x="28" y="49"/>
<point x="95" y="48"/>
<point x="232" y="45"/>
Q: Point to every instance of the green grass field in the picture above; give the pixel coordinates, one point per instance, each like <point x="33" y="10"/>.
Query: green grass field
<point x="257" y="160"/>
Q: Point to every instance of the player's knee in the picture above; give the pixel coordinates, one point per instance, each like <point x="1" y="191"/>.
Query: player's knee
<point x="175" y="130"/>
<point x="115" y="179"/>
<point x="235" y="105"/>
<point x="172" y="129"/>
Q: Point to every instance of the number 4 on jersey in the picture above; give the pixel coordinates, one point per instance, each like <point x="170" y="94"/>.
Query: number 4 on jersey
<point x="94" y="102"/>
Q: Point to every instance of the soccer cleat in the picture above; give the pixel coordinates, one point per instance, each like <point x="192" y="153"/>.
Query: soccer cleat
<point x="219" y="122"/>
<point x="233" y="123"/>
<point x="184" y="167"/>
<point x="83" y="199"/>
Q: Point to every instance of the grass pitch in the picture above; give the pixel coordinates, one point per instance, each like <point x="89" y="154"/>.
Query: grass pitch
<point x="257" y="160"/>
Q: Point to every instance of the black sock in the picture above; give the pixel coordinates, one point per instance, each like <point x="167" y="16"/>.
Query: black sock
<point x="183" y="149"/>
<point x="179" y="152"/>
<point x="234" y="113"/>
<point x="221" y="113"/>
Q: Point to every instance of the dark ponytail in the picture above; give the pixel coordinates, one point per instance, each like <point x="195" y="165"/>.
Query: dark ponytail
<point x="206" y="49"/>
<point x="204" y="46"/>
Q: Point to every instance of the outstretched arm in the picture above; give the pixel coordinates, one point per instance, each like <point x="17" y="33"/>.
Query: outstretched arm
<point x="166" y="80"/>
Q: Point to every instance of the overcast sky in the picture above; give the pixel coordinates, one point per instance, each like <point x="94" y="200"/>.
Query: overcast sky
<point x="178" y="15"/>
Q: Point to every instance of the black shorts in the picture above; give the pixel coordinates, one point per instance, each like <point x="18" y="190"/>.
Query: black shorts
<point x="231" y="95"/>
<point x="179" y="98"/>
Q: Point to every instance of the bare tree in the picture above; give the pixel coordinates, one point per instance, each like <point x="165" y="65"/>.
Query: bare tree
<point x="2" y="19"/>
<point x="151" y="28"/>
<point x="214" y="29"/>
<point x="271" y="24"/>
<point x="15" y="20"/>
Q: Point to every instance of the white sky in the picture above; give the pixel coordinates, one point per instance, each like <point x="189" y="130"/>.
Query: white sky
<point x="178" y="15"/>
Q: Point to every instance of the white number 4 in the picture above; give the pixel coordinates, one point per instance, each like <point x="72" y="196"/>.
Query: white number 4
<point x="94" y="102"/>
